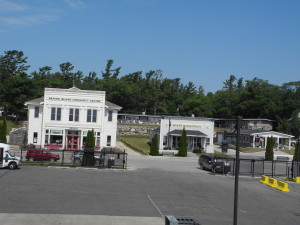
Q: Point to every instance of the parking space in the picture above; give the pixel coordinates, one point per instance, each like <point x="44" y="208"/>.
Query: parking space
<point x="175" y="185"/>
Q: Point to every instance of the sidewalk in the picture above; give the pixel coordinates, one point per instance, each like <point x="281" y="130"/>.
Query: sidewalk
<point x="252" y="155"/>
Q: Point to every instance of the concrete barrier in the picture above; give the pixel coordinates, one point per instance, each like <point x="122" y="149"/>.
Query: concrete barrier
<point x="297" y="179"/>
<point x="272" y="182"/>
<point x="282" y="186"/>
<point x="264" y="179"/>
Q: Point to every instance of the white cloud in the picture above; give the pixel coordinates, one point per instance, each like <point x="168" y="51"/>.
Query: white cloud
<point x="6" y="5"/>
<point x="28" y="20"/>
<point x="75" y="3"/>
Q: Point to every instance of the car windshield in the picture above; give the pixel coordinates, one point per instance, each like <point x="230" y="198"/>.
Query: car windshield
<point x="11" y="154"/>
<point x="219" y="160"/>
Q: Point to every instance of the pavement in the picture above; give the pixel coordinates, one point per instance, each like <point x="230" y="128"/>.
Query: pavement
<point x="256" y="155"/>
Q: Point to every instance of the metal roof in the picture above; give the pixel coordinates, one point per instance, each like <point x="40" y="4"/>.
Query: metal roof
<point x="194" y="133"/>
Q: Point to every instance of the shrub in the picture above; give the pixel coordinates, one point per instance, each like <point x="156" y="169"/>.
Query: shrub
<point x="154" y="146"/>
<point x="297" y="152"/>
<point x="197" y="150"/>
<point x="269" y="155"/>
<point x="183" y="145"/>
<point x="88" y="155"/>
<point x="166" y="148"/>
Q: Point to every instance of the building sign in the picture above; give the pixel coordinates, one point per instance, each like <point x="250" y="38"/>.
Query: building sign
<point x="181" y="125"/>
<point x="75" y="100"/>
<point x="56" y="132"/>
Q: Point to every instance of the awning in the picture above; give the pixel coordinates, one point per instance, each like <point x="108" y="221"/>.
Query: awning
<point x="189" y="133"/>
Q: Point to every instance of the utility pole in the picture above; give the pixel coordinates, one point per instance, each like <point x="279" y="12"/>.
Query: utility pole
<point x="237" y="170"/>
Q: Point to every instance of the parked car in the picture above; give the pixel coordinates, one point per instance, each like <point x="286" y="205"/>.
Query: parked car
<point x="211" y="162"/>
<point x="77" y="156"/>
<point x="40" y="154"/>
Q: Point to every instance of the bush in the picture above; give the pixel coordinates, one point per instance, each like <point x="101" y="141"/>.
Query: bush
<point x="269" y="155"/>
<point x="154" y="149"/>
<point x="183" y="145"/>
<point x="197" y="150"/>
<point x="166" y="148"/>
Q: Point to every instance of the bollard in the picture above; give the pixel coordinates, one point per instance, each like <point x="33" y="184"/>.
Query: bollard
<point x="272" y="182"/>
<point x="171" y="220"/>
<point x="297" y="179"/>
<point x="282" y="186"/>
<point x="264" y="179"/>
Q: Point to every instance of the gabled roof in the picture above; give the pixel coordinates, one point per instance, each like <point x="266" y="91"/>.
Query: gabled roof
<point x="272" y="133"/>
<point x="36" y="101"/>
<point x="112" y="105"/>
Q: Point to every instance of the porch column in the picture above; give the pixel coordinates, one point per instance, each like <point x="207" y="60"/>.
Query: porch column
<point x="289" y="143"/>
<point x="253" y="141"/>
<point x="266" y="140"/>
<point x="277" y="142"/>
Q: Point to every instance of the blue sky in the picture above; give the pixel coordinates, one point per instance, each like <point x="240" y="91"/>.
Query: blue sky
<point x="203" y="41"/>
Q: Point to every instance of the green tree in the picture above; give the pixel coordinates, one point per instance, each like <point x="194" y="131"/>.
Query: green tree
<point x="2" y="134"/>
<point x="154" y="149"/>
<point x="297" y="151"/>
<point x="108" y="71"/>
<point x="4" y="127"/>
<point x="269" y="155"/>
<point x="88" y="155"/>
<point x="183" y="144"/>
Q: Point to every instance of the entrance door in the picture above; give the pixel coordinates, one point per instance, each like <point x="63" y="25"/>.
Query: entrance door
<point x="72" y="142"/>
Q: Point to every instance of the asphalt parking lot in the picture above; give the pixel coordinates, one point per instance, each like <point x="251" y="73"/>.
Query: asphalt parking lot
<point x="150" y="188"/>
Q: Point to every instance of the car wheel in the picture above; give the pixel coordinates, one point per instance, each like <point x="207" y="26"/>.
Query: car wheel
<point x="52" y="160"/>
<point x="201" y="166"/>
<point x="77" y="161"/>
<point x="31" y="159"/>
<point x="12" y="166"/>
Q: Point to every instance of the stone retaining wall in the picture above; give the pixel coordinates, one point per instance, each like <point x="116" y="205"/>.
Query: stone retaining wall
<point x="135" y="129"/>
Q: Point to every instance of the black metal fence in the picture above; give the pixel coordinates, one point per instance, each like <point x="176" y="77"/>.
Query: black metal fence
<point x="106" y="158"/>
<point x="258" y="167"/>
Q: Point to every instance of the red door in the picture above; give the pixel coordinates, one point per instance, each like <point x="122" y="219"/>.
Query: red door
<point x="72" y="142"/>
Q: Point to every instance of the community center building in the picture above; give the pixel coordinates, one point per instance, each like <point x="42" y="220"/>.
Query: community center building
<point x="62" y="118"/>
<point x="199" y="132"/>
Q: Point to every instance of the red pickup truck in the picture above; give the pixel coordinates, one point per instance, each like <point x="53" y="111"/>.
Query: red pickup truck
<point x="40" y="154"/>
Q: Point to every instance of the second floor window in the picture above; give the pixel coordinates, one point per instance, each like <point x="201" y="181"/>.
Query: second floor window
<point x="110" y="115"/>
<point x="55" y="113"/>
<point x="36" y="111"/>
<point x="74" y="115"/>
<point x="92" y="115"/>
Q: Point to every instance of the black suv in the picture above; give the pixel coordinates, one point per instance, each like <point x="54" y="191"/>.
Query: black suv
<point x="212" y="162"/>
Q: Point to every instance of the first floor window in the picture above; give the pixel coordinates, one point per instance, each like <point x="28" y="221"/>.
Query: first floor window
<point x="108" y="141"/>
<point x="35" y="137"/>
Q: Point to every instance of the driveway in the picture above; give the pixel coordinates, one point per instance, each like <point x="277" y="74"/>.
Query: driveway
<point x="151" y="188"/>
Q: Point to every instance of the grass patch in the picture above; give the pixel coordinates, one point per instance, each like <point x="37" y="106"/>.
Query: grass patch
<point x="140" y="142"/>
<point x="290" y="152"/>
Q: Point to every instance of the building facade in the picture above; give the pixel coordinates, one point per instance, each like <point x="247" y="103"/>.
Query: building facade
<point x="62" y="118"/>
<point x="200" y="132"/>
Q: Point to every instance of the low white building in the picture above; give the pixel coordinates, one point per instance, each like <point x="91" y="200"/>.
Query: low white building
<point x="62" y="118"/>
<point x="200" y="132"/>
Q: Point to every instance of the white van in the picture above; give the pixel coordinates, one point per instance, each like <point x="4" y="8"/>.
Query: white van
<point x="7" y="159"/>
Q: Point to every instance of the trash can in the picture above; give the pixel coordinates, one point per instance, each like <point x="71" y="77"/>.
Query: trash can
<point x="111" y="162"/>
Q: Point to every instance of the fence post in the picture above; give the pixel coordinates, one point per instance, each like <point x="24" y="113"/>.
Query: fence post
<point x="63" y="157"/>
<point x="252" y="167"/>
<point x="124" y="159"/>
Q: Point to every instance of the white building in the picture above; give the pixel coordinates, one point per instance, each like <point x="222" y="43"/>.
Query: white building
<point x="200" y="132"/>
<point x="62" y="118"/>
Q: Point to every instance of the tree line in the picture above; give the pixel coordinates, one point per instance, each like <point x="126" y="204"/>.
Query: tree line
<point x="151" y="92"/>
